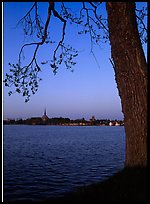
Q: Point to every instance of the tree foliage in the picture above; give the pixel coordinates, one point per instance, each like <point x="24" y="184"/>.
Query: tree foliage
<point x="25" y="78"/>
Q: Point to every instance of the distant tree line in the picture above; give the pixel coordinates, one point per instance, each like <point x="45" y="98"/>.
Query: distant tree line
<point x="62" y="121"/>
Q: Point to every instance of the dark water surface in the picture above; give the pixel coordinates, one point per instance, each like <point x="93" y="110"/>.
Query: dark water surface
<point x="46" y="161"/>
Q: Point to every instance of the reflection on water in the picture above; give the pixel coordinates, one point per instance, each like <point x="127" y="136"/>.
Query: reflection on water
<point x="47" y="161"/>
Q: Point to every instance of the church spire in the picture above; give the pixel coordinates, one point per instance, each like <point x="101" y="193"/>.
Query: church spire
<point x="45" y="117"/>
<point x="45" y="111"/>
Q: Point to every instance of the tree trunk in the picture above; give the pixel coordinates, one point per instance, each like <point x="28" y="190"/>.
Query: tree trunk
<point x="131" y="76"/>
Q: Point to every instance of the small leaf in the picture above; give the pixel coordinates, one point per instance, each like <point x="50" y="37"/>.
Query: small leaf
<point x="26" y="100"/>
<point x="53" y="65"/>
<point x="44" y="62"/>
<point x="9" y="93"/>
<point x="16" y="85"/>
<point x="18" y="90"/>
<point x="75" y="55"/>
<point x="24" y="93"/>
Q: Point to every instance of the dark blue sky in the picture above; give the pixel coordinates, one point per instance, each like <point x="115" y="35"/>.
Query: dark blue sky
<point x="89" y="90"/>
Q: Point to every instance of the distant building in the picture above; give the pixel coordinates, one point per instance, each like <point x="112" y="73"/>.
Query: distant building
<point x="34" y="121"/>
<point x="110" y="124"/>
<point x="93" y="120"/>
<point x="9" y="121"/>
<point x="45" y="117"/>
<point x="117" y="124"/>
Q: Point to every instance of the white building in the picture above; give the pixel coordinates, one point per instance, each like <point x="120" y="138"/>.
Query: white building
<point x="110" y="123"/>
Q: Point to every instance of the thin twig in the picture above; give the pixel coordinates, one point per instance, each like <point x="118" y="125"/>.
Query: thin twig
<point x="56" y="14"/>
<point x="111" y="61"/>
<point x="43" y="37"/>
<point x="34" y="5"/>
<point x="142" y="23"/>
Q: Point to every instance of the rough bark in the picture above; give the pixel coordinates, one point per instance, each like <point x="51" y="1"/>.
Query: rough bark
<point x="131" y="76"/>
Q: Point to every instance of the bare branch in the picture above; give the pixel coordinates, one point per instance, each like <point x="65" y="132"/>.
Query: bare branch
<point x="28" y="44"/>
<point x="95" y="12"/>
<point x="91" y="23"/>
<point x="142" y="23"/>
<point x="140" y="15"/>
<point x="43" y="37"/>
<point x="111" y="61"/>
<point x="24" y="76"/>
<point x="34" y="5"/>
<point x="47" y="22"/>
<point x="63" y="31"/>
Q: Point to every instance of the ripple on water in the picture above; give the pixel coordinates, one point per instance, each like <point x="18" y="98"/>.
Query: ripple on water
<point x="46" y="161"/>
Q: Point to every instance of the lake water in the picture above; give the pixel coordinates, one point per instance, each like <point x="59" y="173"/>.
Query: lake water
<point x="46" y="161"/>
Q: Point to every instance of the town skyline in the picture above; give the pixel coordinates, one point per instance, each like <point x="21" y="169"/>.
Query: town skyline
<point x="44" y="112"/>
<point x="64" y="122"/>
<point x="45" y="120"/>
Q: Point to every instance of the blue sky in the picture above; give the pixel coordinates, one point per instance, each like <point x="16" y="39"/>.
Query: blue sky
<point x="89" y="90"/>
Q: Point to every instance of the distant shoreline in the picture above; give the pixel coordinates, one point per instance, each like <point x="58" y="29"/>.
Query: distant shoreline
<point x="45" y="120"/>
<point x="67" y="125"/>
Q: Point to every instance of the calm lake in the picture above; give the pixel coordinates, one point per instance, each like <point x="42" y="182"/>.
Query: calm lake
<point x="46" y="161"/>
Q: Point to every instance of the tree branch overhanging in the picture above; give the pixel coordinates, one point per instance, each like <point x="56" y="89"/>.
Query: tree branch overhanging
<point x="91" y="22"/>
<point x="27" y="75"/>
<point x="20" y="72"/>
